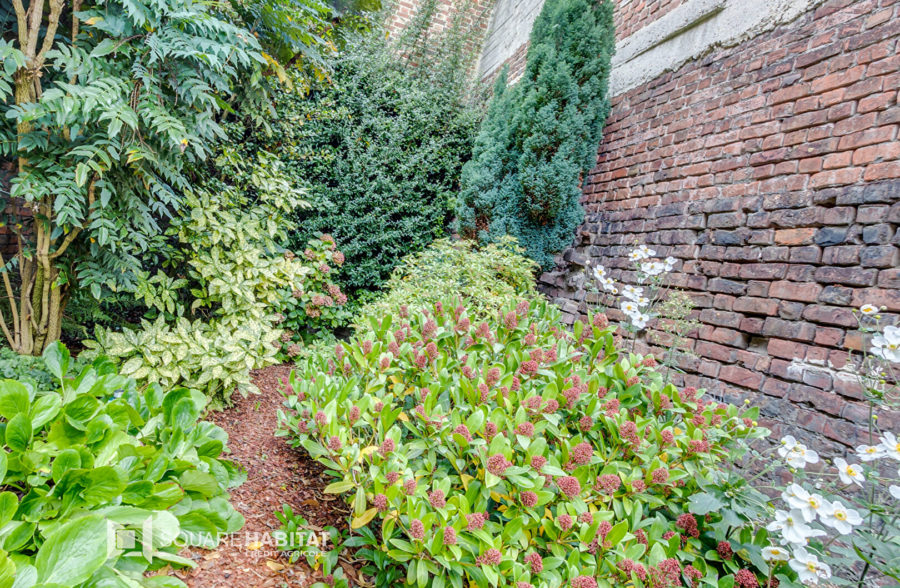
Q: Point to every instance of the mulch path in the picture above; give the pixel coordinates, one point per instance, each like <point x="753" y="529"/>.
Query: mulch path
<point x="276" y="475"/>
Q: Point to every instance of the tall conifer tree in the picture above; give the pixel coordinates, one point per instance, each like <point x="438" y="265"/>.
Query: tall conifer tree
<point x="541" y="135"/>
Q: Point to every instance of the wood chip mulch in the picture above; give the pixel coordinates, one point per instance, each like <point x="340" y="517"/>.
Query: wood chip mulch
<point x="276" y="475"/>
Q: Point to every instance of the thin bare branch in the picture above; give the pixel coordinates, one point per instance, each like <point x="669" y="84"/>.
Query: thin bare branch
<point x="23" y="23"/>
<point x="56" y="7"/>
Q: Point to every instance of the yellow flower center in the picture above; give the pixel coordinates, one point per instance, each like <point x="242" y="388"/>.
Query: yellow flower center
<point x="813" y="502"/>
<point x="840" y="515"/>
<point x="811" y="566"/>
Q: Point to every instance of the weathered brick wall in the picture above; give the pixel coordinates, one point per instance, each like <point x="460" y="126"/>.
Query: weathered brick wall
<point x="633" y="15"/>
<point x="771" y="170"/>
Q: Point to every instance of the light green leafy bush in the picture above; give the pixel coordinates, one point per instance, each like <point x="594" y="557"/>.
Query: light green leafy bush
<point x="515" y="453"/>
<point x="213" y="358"/>
<point x="93" y="451"/>
<point x="483" y="278"/>
<point x="229" y="278"/>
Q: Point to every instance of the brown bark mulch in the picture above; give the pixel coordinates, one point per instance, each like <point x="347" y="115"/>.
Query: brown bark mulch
<point x="276" y="475"/>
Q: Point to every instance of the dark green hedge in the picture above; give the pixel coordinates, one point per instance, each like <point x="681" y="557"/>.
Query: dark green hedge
<point x="380" y="146"/>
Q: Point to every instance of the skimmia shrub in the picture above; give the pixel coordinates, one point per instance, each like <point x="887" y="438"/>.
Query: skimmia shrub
<point x="512" y="452"/>
<point x="94" y="454"/>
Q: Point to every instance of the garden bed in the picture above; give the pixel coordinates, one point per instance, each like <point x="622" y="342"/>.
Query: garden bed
<point x="276" y="475"/>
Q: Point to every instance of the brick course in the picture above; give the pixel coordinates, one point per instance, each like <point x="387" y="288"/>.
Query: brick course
<point x="771" y="170"/>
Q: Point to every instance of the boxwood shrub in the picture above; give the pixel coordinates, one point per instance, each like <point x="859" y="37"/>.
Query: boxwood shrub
<point x="513" y="452"/>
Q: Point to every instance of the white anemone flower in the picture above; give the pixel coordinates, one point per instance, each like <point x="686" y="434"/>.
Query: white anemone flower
<point x="639" y="320"/>
<point x="630" y="308"/>
<point x="890" y="445"/>
<point x="840" y="518"/>
<point x="849" y="473"/>
<point x="868" y="309"/>
<point x="646" y="252"/>
<point x="895" y="491"/>
<point x="792" y="528"/>
<point x="800" y="455"/>
<point x="609" y="285"/>
<point x="599" y="273"/>
<point x="653" y="268"/>
<point x="887" y="345"/>
<point x="669" y="263"/>
<point x="773" y="554"/>
<point x="808" y="567"/>
<point x="809" y="505"/>
<point x="787" y="444"/>
<point x="632" y="293"/>
<point x="636" y="255"/>
<point x="870" y="452"/>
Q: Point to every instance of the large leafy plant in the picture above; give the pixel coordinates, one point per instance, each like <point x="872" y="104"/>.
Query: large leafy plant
<point x="541" y="135"/>
<point x="110" y="100"/>
<point x="514" y="453"/>
<point x="96" y="453"/>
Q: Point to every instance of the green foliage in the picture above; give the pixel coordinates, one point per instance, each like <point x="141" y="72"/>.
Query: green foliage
<point x="209" y="356"/>
<point x="125" y="108"/>
<point x="287" y="29"/>
<point x="297" y="537"/>
<point x="468" y="454"/>
<point x="484" y="279"/>
<point x="31" y="370"/>
<point x="93" y="450"/>
<point x="541" y="136"/>
<point x="381" y="146"/>
<point x="218" y="307"/>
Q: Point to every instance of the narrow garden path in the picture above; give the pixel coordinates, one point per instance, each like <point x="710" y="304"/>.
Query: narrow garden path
<point x="276" y="475"/>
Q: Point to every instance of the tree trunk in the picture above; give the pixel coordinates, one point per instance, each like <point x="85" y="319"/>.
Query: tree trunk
<point x="36" y="311"/>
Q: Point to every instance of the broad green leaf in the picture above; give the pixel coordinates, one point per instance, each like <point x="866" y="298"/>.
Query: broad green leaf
<point x="44" y="409"/>
<point x="339" y="487"/>
<point x="13" y="399"/>
<point x="56" y="356"/>
<point x="704" y="503"/>
<point x="9" y="502"/>
<point x="197" y="481"/>
<point x="73" y="552"/>
<point x="18" y="432"/>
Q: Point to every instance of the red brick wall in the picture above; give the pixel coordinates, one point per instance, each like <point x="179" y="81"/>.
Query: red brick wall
<point x="771" y="170"/>
<point x="631" y="16"/>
